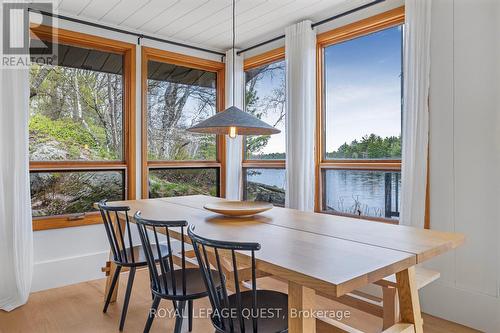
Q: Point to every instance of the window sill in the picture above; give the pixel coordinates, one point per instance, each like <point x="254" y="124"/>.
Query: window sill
<point x="359" y="217"/>
<point x="64" y="221"/>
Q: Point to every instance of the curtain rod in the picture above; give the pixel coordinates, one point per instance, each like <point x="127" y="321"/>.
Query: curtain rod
<point x="351" y="11"/>
<point x="138" y="35"/>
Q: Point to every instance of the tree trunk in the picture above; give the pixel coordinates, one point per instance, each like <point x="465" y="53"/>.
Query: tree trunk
<point x="175" y="99"/>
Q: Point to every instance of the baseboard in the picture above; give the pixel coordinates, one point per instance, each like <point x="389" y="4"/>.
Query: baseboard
<point x="465" y="307"/>
<point x="69" y="270"/>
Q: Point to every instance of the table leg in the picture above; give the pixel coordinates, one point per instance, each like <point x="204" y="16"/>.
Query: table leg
<point x="391" y="307"/>
<point x="301" y="302"/>
<point x="409" y="303"/>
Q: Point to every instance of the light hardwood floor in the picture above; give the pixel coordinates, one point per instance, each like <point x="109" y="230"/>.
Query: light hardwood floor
<point x="78" y="308"/>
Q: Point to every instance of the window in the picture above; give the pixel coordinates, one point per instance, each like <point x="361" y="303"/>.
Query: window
<point x="360" y="117"/>
<point x="80" y="130"/>
<point x="264" y="155"/>
<point x="185" y="181"/>
<point x="180" y="91"/>
<point x="362" y="192"/>
<point x="265" y="184"/>
<point x="73" y="192"/>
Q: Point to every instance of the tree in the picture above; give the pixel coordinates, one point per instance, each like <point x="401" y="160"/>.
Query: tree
<point x="66" y="98"/>
<point x="371" y="146"/>
<point x="273" y="102"/>
<point x="173" y="107"/>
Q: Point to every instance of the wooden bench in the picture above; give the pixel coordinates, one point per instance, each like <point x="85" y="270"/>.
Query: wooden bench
<point x="387" y="306"/>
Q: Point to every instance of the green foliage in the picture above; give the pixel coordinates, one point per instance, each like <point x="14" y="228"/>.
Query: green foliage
<point x="370" y="147"/>
<point x="269" y="156"/>
<point x="255" y="144"/>
<point x="70" y="136"/>
<point x="62" y="130"/>
<point x="176" y="182"/>
<point x="208" y="148"/>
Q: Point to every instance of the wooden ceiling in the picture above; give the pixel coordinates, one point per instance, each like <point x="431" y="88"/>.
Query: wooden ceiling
<point x="204" y="22"/>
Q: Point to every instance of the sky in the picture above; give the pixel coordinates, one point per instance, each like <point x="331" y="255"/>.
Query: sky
<point x="363" y="90"/>
<point x="363" y="86"/>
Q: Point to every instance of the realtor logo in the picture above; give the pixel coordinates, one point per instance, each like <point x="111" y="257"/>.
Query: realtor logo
<point x="20" y="46"/>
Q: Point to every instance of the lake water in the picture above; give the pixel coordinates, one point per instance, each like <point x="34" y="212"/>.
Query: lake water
<point x="346" y="190"/>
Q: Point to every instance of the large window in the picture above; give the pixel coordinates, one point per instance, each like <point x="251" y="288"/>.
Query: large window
<point x="180" y="91"/>
<point x="264" y="155"/>
<point x="361" y="109"/>
<point x="80" y="108"/>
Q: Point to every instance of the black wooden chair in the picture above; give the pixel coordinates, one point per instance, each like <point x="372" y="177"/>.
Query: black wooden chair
<point x="254" y="310"/>
<point x="125" y="253"/>
<point x="179" y="285"/>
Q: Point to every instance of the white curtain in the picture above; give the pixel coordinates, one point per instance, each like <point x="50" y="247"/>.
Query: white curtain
<point x="416" y="111"/>
<point x="300" y="56"/>
<point x="234" y="146"/>
<point x="16" y="236"/>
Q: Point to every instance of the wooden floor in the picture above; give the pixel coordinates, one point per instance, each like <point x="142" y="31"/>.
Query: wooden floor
<point x="78" y="308"/>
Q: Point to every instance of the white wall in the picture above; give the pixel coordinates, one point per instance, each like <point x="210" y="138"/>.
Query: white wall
<point x="464" y="160"/>
<point x="69" y="255"/>
<point x="72" y="255"/>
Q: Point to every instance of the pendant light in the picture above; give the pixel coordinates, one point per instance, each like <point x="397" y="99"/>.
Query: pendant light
<point x="234" y="121"/>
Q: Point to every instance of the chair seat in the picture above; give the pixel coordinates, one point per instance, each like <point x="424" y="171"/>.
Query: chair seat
<point x="272" y="307"/>
<point x="140" y="256"/>
<point x="195" y="286"/>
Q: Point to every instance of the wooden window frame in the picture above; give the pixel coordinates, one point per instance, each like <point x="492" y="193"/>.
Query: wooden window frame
<point x="149" y="53"/>
<point x="351" y="31"/>
<point x="251" y="63"/>
<point x="128" y="164"/>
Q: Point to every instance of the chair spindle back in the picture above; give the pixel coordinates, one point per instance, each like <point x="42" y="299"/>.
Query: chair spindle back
<point x="227" y="316"/>
<point x="118" y="232"/>
<point x="164" y="280"/>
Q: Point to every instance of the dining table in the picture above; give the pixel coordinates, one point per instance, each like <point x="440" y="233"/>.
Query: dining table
<point x="315" y="253"/>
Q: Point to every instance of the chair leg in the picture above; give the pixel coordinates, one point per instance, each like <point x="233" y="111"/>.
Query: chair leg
<point x="151" y="316"/>
<point x="127" y="296"/>
<point x="190" y="314"/>
<point x="180" y="313"/>
<point x="112" y="288"/>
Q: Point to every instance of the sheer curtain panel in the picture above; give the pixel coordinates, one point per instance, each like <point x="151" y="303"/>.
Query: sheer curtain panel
<point x="16" y="236"/>
<point x="415" y="111"/>
<point x="300" y="57"/>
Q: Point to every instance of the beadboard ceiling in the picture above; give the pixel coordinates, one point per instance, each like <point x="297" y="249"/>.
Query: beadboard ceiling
<point x="204" y="22"/>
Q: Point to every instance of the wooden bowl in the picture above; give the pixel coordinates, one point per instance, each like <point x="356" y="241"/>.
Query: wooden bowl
<point x="238" y="208"/>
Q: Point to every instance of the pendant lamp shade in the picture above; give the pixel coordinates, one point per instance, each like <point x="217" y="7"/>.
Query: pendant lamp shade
<point x="233" y="121"/>
<point x="223" y="122"/>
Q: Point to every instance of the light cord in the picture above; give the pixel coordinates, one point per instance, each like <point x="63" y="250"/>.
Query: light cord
<point x="234" y="55"/>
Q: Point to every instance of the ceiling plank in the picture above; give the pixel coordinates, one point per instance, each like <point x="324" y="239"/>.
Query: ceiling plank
<point x="97" y="9"/>
<point x="124" y="9"/>
<point x="73" y="7"/>
<point x="148" y="12"/>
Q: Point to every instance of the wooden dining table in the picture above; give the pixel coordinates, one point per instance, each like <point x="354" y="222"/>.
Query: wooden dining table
<point x="314" y="252"/>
